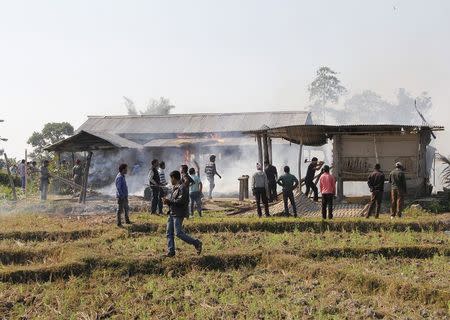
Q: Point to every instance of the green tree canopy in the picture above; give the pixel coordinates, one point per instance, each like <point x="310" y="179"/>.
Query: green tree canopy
<point x="51" y="133"/>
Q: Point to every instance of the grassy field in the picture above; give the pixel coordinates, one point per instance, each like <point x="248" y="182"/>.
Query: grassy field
<point x="55" y="267"/>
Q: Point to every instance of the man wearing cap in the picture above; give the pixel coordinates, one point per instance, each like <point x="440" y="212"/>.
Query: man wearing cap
<point x="260" y="188"/>
<point x="397" y="180"/>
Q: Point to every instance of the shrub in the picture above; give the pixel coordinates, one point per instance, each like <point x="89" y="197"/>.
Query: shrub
<point x="4" y="180"/>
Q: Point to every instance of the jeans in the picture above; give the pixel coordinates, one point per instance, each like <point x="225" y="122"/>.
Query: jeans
<point x="122" y="207"/>
<point x="261" y="194"/>
<point x="313" y="187"/>
<point x="196" y="201"/>
<point x="44" y="189"/>
<point x="156" y="200"/>
<point x="397" y="200"/>
<point x="211" y="185"/>
<point x="273" y="191"/>
<point x="23" y="180"/>
<point x="375" y="203"/>
<point x="327" y="202"/>
<point x="175" y="228"/>
<point x="288" y="195"/>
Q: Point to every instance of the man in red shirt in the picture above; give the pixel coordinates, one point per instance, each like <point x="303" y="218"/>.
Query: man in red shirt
<point x="328" y="189"/>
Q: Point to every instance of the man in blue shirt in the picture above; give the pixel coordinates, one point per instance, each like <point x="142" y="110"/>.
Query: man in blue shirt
<point x="195" y="192"/>
<point x="122" y="194"/>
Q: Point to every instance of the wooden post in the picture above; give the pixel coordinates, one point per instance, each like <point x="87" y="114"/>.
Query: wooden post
<point x="26" y="171"/>
<point x="85" y="178"/>
<point x="300" y="157"/>
<point x="270" y="151"/>
<point x="266" y="149"/>
<point x="11" y="180"/>
<point x="260" y="152"/>
<point x="337" y="166"/>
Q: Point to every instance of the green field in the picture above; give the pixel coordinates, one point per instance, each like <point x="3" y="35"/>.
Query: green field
<point x="53" y="267"/>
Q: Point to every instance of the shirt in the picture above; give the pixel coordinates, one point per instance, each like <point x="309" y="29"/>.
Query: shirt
<point x="21" y="169"/>
<point x="327" y="184"/>
<point x="77" y="170"/>
<point x="121" y="186"/>
<point x="210" y="170"/>
<point x="45" y="175"/>
<point x="162" y="177"/>
<point x="398" y="180"/>
<point x="153" y="177"/>
<point x="271" y="173"/>
<point x="376" y="181"/>
<point x="311" y="172"/>
<point x="195" y="187"/>
<point x="179" y="201"/>
<point x="259" y="180"/>
<point x="288" y="182"/>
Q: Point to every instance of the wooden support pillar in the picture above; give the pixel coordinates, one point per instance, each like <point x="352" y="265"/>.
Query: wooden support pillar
<point x="82" y="198"/>
<point x="300" y="159"/>
<point x="260" y="152"/>
<point x="337" y="172"/>
<point x="270" y="151"/>
<point x="266" y="148"/>
<point x="11" y="180"/>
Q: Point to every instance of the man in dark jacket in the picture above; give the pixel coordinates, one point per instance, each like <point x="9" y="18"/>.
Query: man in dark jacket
<point x="376" y="185"/>
<point x="314" y="166"/>
<point x="155" y="184"/>
<point x="272" y="176"/>
<point x="178" y="203"/>
<point x="289" y="183"/>
<point x="398" y="190"/>
<point x="122" y="195"/>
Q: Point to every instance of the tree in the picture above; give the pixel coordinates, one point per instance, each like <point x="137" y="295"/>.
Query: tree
<point x="50" y="134"/>
<point x="370" y="107"/>
<point x="325" y="88"/>
<point x="153" y="107"/>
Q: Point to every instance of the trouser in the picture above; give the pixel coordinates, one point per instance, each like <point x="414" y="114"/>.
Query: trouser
<point x="327" y="203"/>
<point x="375" y="203"/>
<point x="310" y="185"/>
<point x="288" y="195"/>
<point x="211" y="185"/>
<point x="156" y="200"/>
<point x="273" y="191"/>
<point x="261" y="195"/>
<point x="23" y="180"/>
<point x="196" y="201"/>
<point x="175" y="228"/>
<point x="122" y="207"/>
<point x="397" y="199"/>
<point x="44" y="189"/>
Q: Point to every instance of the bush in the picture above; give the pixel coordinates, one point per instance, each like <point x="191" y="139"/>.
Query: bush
<point x="4" y="180"/>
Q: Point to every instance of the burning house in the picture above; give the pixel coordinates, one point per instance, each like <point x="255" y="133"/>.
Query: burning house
<point x="241" y="139"/>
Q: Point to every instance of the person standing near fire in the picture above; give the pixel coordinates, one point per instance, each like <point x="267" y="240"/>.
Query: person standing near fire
<point x="314" y="166"/>
<point x="327" y="185"/>
<point x="44" y="180"/>
<point x="77" y="172"/>
<point x="289" y="183"/>
<point x="211" y="172"/>
<point x="260" y="188"/>
<point x="122" y="195"/>
<point x="22" y="171"/>
<point x="376" y="186"/>
<point x="155" y="184"/>
<point x="272" y="177"/>
<point x="397" y="179"/>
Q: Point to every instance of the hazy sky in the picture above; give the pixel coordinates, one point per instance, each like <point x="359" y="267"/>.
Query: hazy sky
<point x="64" y="60"/>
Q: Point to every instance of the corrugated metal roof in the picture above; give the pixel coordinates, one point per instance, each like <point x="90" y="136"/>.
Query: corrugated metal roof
<point x="194" y="123"/>
<point x="206" y="142"/>
<point x="85" y="141"/>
